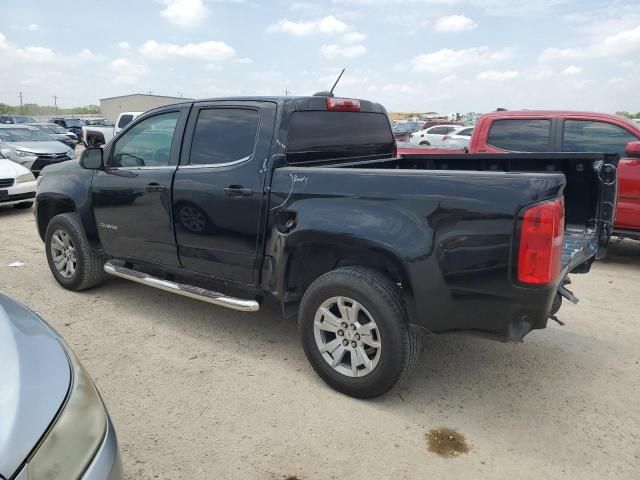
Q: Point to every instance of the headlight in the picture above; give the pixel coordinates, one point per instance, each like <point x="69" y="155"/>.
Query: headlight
<point x="70" y="445"/>
<point x="71" y="153"/>
<point x="20" y="153"/>
<point x="25" y="177"/>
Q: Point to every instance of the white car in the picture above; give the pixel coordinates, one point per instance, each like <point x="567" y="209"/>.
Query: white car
<point x="434" y="135"/>
<point x="96" y="135"/>
<point x="17" y="184"/>
<point x="458" y="138"/>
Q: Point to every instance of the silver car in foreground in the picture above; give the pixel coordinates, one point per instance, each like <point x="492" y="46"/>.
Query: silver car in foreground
<point x="53" y="424"/>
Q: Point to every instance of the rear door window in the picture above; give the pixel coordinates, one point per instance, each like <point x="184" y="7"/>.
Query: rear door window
<point x="224" y="135"/>
<point x="589" y="136"/>
<point x="521" y="135"/>
<point x="325" y="135"/>
<point x="466" y="132"/>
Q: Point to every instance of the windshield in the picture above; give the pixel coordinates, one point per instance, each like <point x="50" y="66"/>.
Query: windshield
<point x="23" y="119"/>
<point x="54" y="128"/>
<point x="23" y="135"/>
<point x="73" y="122"/>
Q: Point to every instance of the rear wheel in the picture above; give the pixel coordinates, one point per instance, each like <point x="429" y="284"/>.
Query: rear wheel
<point x="425" y="143"/>
<point x="354" y="331"/>
<point x="74" y="264"/>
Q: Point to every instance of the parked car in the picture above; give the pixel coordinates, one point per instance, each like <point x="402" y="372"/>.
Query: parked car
<point x="402" y="131"/>
<point x="54" y="423"/>
<point x="458" y="138"/>
<point x="17" y="184"/>
<point x="32" y="148"/>
<point x="304" y="200"/>
<point x="55" y="131"/>
<point x="434" y="135"/>
<point x="565" y="131"/>
<point x="96" y="135"/>
<point x="71" y="124"/>
<point x="13" y="119"/>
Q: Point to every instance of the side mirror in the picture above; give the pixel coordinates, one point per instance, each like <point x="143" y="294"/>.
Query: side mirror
<point x="633" y="149"/>
<point x="91" y="159"/>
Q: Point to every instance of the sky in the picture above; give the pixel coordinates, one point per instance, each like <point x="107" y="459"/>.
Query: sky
<point x="409" y="55"/>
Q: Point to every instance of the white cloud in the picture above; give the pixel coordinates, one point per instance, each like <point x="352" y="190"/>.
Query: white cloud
<point x="127" y="72"/>
<point x="36" y="54"/>
<point x="86" y="54"/>
<point x="494" y="76"/>
<point x="455" y="23"/>
<point x="572" y="71"/>
<point x="620" y="44"/>
<point x="124" y="45"/>
<point x="327" y="25"/>
<point x="399" y="88"/>
<point x="354" y="37"/>
<point x="184" y="13"/>
<point x="447" y="59"/>
<point x="34" y="27"/>
<point x="541" y="74"/>
<point x="243" y="60"/>
<point x="338" y="51"/>
<point x="209" y="51"/>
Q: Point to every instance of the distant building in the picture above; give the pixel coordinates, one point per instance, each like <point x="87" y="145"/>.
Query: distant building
<point x="111" y="107"/>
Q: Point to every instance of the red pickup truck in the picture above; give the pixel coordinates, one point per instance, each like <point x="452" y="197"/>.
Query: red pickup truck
<point x="563" y="131"/>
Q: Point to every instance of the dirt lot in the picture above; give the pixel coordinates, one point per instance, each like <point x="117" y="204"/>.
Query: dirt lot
<point x="199" y="392"/>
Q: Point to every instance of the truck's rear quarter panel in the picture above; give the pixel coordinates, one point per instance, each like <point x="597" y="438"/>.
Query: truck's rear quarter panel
<point x="448" y="234"/>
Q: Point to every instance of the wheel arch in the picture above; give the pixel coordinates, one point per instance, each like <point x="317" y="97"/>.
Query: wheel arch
<point x="311" y="259"/>
<point x="50" y="207"/>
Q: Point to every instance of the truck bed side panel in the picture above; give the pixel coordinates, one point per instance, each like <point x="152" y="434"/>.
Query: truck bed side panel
<point x="449" y="234"/>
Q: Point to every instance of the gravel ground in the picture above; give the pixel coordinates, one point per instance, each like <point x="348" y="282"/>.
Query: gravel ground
<point x="200" y="392"/>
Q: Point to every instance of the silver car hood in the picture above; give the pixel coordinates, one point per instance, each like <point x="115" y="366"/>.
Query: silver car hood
<point x="34" y="380"/>
<point x="40" y="147"/>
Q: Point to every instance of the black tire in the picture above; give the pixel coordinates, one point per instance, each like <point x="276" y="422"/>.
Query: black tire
<point x="89" y="270"/>
<point x="23" y="205"/>
<point x="400" y="348"/>
<point x="425" y="143"/>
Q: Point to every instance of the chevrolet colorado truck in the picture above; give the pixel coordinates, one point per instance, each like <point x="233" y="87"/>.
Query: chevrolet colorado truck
<point x="565" y="131"/>
<point x="303" y="199"/>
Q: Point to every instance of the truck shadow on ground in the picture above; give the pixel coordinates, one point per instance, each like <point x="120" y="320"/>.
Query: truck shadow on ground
<point x="455" y="372"/>
<point x="623" y="252"/>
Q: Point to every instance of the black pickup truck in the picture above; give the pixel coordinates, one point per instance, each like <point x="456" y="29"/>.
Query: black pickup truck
<point x="303" y="199"/>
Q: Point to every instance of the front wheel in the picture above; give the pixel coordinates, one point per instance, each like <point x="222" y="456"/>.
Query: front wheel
<point x="354" y="331"/>
<point x="74" y="264"/>
<point x="425" y="144"/>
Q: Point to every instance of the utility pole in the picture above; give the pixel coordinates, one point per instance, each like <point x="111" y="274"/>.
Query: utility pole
<point x="21" y="102"/>
<point x="286" y="92"/>
<point x="55" y="102"/>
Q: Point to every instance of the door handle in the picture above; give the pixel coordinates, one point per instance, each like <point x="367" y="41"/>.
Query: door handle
<point x="155" y="187"/>
<point x="238" y="191"/>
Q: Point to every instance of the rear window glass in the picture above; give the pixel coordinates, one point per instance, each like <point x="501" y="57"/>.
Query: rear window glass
<point x="124" y="120"/>
<point x="527" y="135"/>
<point x="323" y="135"/>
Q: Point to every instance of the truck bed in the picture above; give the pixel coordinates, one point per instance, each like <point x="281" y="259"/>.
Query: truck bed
<point x="453" y="222"/>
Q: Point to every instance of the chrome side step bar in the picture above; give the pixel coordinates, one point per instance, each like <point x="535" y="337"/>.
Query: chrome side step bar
<point x="190" y="291"/>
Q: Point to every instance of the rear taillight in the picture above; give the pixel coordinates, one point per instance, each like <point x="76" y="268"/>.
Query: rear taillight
<point x="541" y="239"/>
<point x="343" y="104"/>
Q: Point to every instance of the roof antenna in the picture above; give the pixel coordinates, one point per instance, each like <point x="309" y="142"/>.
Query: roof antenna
<point x="330" y="92"/>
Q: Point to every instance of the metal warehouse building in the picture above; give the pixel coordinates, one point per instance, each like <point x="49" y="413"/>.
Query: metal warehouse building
<point x="111" y="107"/>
